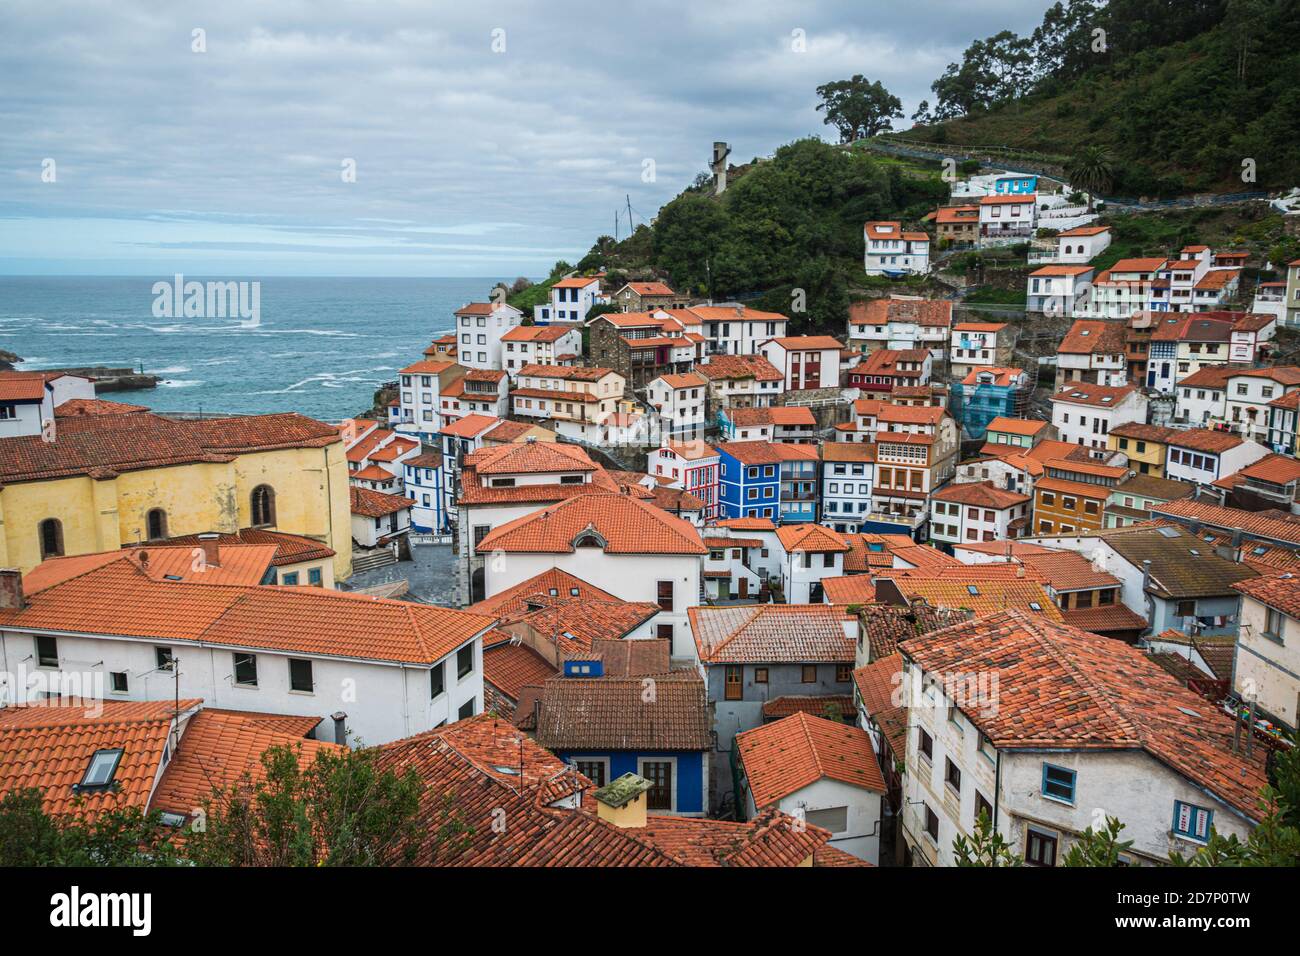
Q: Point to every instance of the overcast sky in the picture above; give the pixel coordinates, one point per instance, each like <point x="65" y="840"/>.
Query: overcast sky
<point x="468" y="161"/>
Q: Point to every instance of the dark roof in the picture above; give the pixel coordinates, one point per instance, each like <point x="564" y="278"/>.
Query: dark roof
<point x="1182" y="565"/>
<point x="578" y="713"/>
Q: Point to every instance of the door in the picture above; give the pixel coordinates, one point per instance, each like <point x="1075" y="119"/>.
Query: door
<point x="660" y="775"/>
<point x="743" y="589"/>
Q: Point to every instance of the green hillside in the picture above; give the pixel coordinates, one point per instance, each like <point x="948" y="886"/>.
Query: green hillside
<point x="1178" y="92"/>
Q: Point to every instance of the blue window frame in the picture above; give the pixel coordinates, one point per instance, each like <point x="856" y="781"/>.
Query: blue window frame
<point x="1058" y="783"/>
<point x="314" y="577"/>
<point x="1192" y="822"/>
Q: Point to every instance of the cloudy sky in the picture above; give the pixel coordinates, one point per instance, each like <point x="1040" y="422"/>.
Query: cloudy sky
<point x="488" y="138"/>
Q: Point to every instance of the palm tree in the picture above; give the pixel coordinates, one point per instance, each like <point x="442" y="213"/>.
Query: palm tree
<point x="1091" y="171"/>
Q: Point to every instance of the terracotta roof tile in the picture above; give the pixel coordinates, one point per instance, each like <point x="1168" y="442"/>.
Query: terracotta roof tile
<point x="627" y="526"/>
<point x="838" y="704"/>
<point x="376" y="504"/>
<point x="1063" y="687"/>
<point x="783" y="757"/>
<point x="811" y="537"/>
<point x="772" y="633"/>
<point x="578" y="713"/>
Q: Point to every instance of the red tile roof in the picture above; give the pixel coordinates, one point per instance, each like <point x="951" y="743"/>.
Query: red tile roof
<point x="289" y="548"/>
<point x="757" y="367"/>
<point x="840" y="705"/>
<point x="811" y="537"/>
<point x="105" y="445"/>
<point x="784" y="757"/>
<point x="982" y="494"/>
<point x="49" y="746"/>
<point x="1096" y="396"/>
<point x="122" y="600"/>
<point x="553" y="584"/>
<point x="376" y="504"/>
<point x="1066" y="688"/>
<point x="923" y="312"/>
<point x="74" y="407"/>
<point x="627" y="525"/>
<point x="850" y="589"/>
<point x="512" y="667"/>
<point x="223" y="748"/>
<point x="772" y="633"/>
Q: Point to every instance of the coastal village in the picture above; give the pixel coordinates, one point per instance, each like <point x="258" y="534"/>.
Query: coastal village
<point x="663" y="583"/>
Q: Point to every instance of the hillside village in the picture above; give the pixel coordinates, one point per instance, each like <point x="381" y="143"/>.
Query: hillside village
<point x="713" y="593"/>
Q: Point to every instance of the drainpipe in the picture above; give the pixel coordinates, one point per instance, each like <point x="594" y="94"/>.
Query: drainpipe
<point x="340" y="727"/>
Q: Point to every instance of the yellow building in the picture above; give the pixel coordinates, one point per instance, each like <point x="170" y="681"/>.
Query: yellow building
<point x="1145" y="446"/>
<point x="116" y="479"/>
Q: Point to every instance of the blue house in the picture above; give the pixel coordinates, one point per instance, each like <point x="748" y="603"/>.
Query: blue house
<point x="749" y="480"/>
<point x="1016" y="184"/>
<point x="622" y="710"/>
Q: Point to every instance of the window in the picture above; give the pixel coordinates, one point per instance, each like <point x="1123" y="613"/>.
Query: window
<point x="314" y="575"/>
<point x="982" y="807"/>
<point x="1192" y="821"/>
<point x="1058" y="783"/>
<point x="1186" y="609"/>
<point x="466" y="710"/>
<point x="290" y="579"/>
<point x="925" y="745"/>
<point x="464" y="661"/>
<point x="932" y="824"/>
<point x="437" y="680"/>
<point x="733" y="688"/>
<point x="760" y="675"/>
<point x="300" y="675"/>
<point x="594" y="770"/>
<point x="665" y="593"/>
<point x="163" y="658"/>
<point x="47" y="651"/>
<point x="1040" y="848"/>
<point x="809" y="675"/>
<point x="835" y="819"/>
<point x="51" y="533"/>
<point x="664" y="631"/>
<point x="156" y="522"/>
<point x="263" y="506"/>
<point x="660" y="775"/>
<point x="952" y="775"/>
<point x="843" y="673"/>
<point x="100" y="770"/>
<point x="246" y="670"/>
<point x="117" y="682"/>
<point x="1274" y="621"/>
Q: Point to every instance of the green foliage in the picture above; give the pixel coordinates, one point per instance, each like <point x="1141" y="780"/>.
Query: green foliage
<point x="341" y="810"/>
<point x="858" y="107"/>
<point x="1098" y="847"/>
<point x="1091" y="170"/>
<point x="1139" y="89"/>
<point x="30" y="837"/>
<point x="986" y="847"/>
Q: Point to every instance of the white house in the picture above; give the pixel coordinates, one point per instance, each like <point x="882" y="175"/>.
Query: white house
<point x="571" y="300"/>
<point x="1202" y="456"/>
<point x="1082" y="244"/>
<point x="30" y="401"/>
<point x="1007" y="219"/>
<point x="539" y="345"/>
<point x="1202" y="397"/>
<point x="679" y="402"/>
<point x="821" y="771"/>
<point x="1248" y="394"/>
<point x="1059" y="289"/>
<point x="975" y="345"/>
<point x="1084" y="414"/>
<point x="741" y="381"/>
<point x="580" y="395"/>
<point x="889" y="250"/>
<point x="848" y="473"/>
<point x="1267" y="668"/>
<point x="419" y="395"/>
<point x="977" y="511"/>
<point x="805" y="361"/>
<point x="379" y="518"/>
<point x="810" y="552"/>
<point x="1093" y="351"/>
<point x="1124" y="288"/>
<point x="731" y="328"/>
<point x="1025" y="752"/>
<point x="479" y="328"/>
<point x="388" y="669"/>
<point x="617" y="542"/>
<point x="901" y="323"/>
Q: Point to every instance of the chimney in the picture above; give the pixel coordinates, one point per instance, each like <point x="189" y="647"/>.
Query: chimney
<point x="211" y="552"/>
<point x="340" y="727"/>
<point x="11" y="589"/>
<point x="622" y="802"/>
<point x="1146" y="575"/>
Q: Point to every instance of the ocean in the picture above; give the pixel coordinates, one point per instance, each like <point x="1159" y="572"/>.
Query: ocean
<point x="322" y="347"/>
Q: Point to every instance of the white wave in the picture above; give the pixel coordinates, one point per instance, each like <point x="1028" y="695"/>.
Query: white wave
<point x="170" y="370"/>
<point x="181" y="383"/>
